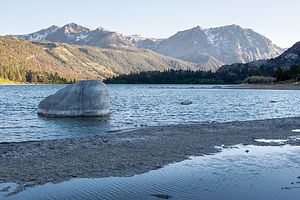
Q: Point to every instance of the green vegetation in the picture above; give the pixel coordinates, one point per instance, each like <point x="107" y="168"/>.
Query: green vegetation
<point x="291" y="74"/>
<point x="259" y="80"/>
<point x="168" y="77"/>
<point x="201" y="77"/>
<point x="47" y="62"/>
<point x="15" y="75"/>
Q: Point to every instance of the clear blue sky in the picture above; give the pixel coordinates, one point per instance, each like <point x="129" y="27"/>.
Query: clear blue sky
<point x="279" y="20"/>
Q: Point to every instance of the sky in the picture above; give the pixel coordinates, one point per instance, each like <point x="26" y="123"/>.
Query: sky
<point x="278" y="20"/>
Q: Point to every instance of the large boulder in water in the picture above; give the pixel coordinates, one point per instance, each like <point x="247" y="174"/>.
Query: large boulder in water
<point x="87" y="98"/>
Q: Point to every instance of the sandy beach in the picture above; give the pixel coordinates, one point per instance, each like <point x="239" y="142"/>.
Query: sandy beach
<point x="129" y="153"/>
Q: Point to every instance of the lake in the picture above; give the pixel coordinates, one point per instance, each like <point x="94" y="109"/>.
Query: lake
<point x="262" y="173"/>
<point x="136" y="105"/>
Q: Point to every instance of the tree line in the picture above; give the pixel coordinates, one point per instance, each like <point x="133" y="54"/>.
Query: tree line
<point x="201" y="77"/>
<point x="171" y="77"/>
<point x="29" y="76"/>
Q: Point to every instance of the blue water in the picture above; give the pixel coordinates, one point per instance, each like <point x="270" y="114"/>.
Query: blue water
<point x="133" y="105"/>
<point x="263" y="173"/>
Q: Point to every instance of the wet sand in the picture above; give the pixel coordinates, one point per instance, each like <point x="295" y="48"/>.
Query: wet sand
<point x="129" y="153"/>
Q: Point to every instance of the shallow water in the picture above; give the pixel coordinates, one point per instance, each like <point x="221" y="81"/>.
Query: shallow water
<point x="263" y="173"/>
<point x="133" y="105"/>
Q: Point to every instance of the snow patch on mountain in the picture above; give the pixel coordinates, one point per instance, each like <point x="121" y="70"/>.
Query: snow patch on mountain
<point x="36" y="36"/>
<point x="81" y="37"/>
<point x="210" y="36"/>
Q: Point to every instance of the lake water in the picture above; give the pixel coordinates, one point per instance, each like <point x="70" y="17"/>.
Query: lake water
<point x="133" y="105"/>
<point x="263" y="173"/>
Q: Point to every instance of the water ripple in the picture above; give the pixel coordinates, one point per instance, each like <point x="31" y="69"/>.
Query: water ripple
<point x="132" y="105"/>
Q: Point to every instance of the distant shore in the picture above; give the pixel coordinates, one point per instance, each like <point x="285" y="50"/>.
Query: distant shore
<point x="268" y="87"/>
<point x="129" y="153"/>
<point x="237" y="86"/>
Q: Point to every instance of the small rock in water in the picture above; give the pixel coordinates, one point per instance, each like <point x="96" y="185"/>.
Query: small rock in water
<point x="86" y="98"/>
<point x="162" y="196"/>
<point x="247" y="151"/>
<point x="186" y="103"/>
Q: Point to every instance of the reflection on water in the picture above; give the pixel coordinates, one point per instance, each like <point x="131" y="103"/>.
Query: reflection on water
<point x="243" y="172"/>
<point x="132" y="105"/>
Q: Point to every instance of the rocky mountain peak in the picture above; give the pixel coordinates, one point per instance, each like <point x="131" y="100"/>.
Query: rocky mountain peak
<point x="75" y="28"/>
<point x="228" y="44"/>
<point x="196" y="31"/>
<point x="286" y="60"/>
<point x="73" y="33"/>
<point x="101" y="29"/>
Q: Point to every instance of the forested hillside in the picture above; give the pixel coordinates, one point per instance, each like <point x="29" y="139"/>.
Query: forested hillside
<point x="48" y="62"/>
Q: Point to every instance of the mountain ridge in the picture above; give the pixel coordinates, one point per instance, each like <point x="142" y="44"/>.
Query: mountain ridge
<point x="228" y="44"/>
<point x="81" y="61"/>
<point x="285" y="61"/>
<point x="75" y="34"/>
<point x="211" y="48"/>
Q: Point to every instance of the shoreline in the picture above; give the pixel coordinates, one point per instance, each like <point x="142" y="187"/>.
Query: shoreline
<point x="199" y="86"/>
<point x="267" y="87"/>
<point x="129" y="153"/>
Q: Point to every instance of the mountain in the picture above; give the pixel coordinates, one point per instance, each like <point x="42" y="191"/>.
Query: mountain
<point x="79" y="35"/>
<point x="227" y="44"/>
<point x="209" y="48"/>
<point x="80" y="61"/>
<point x="287" y="59"/>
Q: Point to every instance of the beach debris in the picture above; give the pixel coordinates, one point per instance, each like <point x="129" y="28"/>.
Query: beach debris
<point x="186" y="103"/>
<point x="162" y="196"/>
<point x="273" y="101"/>
<point x="298" y="177"/>
<point x="86" y="98"/>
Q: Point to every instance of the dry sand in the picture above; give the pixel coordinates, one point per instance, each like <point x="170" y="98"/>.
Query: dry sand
<point x="129" y="153"/>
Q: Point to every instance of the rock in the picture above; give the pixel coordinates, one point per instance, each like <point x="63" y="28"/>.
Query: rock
<point x="186" y="103"/>
<point x="162" y="196"/>
<point x="87" y="98"/>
